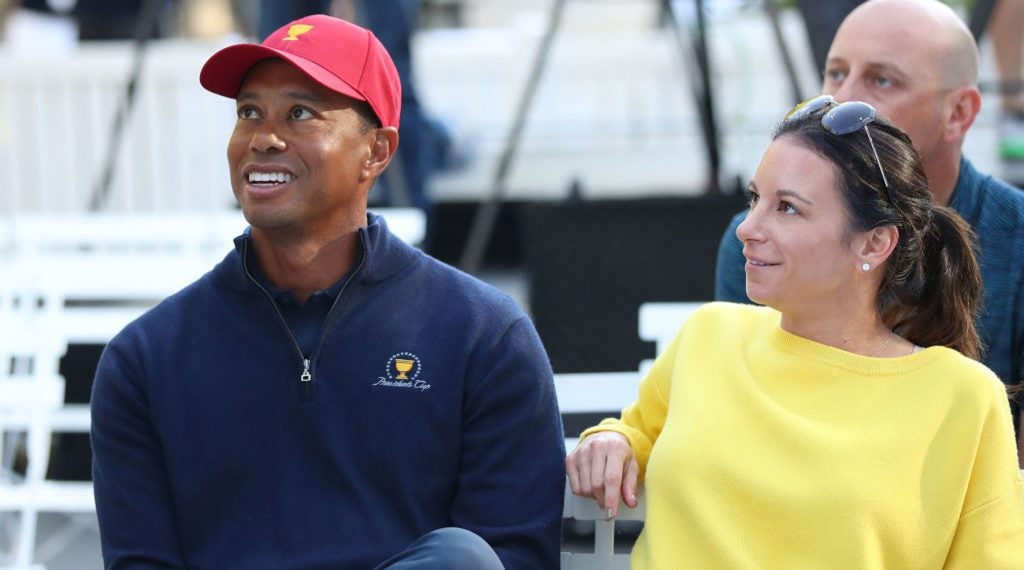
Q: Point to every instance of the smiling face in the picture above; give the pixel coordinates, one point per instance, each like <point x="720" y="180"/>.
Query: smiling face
<point x="300" y="155"/>
<point x="796" y="236"/>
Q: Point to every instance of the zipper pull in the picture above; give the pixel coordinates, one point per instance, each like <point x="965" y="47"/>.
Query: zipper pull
<point x="306" y="376"/>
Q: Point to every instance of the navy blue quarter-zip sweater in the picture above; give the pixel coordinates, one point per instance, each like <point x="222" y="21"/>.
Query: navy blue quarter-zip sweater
<point x="428" y="403"/>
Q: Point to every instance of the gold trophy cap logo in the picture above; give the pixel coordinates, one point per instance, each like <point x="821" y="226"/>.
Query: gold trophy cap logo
<point x="296" y="30"/>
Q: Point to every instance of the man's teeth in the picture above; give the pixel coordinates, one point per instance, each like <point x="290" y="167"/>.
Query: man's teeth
<point x="275" y="177"/>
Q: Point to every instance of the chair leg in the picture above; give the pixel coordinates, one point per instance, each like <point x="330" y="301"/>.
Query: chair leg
<point x="24" y="551"/>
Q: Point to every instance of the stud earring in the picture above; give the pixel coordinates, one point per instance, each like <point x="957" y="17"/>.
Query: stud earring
<point x="866" y="266"/>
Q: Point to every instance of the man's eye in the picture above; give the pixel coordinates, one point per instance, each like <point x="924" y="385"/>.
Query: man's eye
<point x="247" y="113"/>
<point x="835" y="75"/>
<point x="300" y="114"/>
<point x="883" y="81"/>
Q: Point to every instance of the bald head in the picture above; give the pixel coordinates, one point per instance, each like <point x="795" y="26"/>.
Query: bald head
<point x="917" y="63"/>
<point x="935" y="28"/>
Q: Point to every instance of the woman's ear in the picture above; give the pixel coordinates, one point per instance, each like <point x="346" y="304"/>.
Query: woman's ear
<point x="382" y="150"/>
<point x="879" y="244"/>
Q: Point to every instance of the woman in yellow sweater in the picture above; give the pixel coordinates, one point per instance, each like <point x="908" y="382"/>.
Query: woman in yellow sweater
<point x="845" y="424"/>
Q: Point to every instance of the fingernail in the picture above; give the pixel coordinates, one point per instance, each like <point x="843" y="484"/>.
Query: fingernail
<point x="608" y="514"/>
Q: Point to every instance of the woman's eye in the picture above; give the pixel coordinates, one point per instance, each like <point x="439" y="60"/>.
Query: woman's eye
<point x="787" y="208"/>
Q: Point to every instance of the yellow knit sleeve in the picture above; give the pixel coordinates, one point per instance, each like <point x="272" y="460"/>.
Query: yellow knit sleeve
<point x="641" y="422"/>
<point x="990" y="532"/>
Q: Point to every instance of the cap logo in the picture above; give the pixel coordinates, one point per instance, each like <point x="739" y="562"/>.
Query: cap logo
<point x="296" y="30"/>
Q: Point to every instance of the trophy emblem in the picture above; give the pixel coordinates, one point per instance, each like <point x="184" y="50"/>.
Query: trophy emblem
<point x="403" y="365"/>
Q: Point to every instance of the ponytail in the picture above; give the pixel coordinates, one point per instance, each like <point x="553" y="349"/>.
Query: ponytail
<point x="941" y="306"/>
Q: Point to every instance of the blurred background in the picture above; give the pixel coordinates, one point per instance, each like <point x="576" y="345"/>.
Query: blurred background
<point x="584" y="156"/>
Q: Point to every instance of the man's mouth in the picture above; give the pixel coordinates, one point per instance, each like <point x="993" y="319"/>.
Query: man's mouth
<point x="265" y="179"/>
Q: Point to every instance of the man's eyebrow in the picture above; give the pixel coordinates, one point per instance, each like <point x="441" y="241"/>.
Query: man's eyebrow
<point x="875" y="66"/>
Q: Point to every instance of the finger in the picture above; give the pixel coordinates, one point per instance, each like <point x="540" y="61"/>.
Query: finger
<point x="598" y="463"/>
<point x="612" y="484"/>
<point x="583" y="461"/>
<point x="573" y="472"/>
<point x="629" y="483"/>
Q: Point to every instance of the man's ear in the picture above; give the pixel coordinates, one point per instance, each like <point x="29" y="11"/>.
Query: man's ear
<point x="964" y="103"/>
<point x="382" y="150"/>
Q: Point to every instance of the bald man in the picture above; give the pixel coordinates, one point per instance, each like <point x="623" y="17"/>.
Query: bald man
<point x="917" y="63"/>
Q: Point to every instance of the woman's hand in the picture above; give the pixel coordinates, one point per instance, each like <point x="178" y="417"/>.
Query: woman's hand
<point x="603" y="467"/>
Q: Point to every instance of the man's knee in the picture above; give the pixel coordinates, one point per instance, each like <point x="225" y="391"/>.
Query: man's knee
<point x="450" y="548"/>
<point x="465" y="549"/>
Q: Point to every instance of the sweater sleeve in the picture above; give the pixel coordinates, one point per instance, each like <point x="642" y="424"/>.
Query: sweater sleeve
<point x="511" y="484"/>
<point x="730" y="278"/>
<point x="990" y="532"/>
<point x="133" y="497"/>
<point x="641" y="422"/>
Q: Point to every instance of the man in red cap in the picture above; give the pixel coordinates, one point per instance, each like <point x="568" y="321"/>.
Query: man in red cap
<point x="327" y="396"/>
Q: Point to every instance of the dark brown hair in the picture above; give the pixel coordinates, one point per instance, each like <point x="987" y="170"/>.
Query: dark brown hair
<point x="932" y="290"/>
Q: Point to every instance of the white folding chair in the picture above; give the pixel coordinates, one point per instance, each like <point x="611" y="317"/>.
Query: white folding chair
<point x="31" y="409"/>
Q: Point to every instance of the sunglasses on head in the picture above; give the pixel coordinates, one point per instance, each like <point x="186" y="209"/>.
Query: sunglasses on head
<point x="842" y="119"/>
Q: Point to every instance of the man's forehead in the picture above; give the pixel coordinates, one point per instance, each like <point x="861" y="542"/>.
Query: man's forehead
<point x="909" y="56"/>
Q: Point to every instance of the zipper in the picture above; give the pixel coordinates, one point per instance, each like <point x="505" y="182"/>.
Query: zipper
<point x="306" y="377"/>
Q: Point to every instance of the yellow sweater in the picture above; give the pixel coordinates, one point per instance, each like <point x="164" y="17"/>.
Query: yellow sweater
<point x="762" y="449"/>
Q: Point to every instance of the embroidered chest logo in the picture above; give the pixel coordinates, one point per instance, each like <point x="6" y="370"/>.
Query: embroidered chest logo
<point x="296" y="30"/>
<point x="403" y="371"/>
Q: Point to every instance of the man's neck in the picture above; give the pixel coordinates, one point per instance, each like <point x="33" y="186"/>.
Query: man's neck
<point x="308" y="265"/>
<point x="943" y="175"/>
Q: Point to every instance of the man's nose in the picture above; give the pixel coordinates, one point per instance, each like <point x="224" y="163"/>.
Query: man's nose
<point x="846" y="91"/>
<point x="266" y="139"/>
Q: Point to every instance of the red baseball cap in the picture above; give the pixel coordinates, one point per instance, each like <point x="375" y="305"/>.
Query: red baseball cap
<point x="339" y="55"/>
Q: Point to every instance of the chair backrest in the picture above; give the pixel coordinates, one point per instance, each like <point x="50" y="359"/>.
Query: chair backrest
<point x="603" y="556"/>
<point x="659" y="323"/>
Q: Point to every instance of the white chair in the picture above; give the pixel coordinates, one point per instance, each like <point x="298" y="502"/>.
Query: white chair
<point x="31" y="409"/>
<point x="603" y="556"/>
<point x="659" y="323"/>
<point x="588" y="393"/>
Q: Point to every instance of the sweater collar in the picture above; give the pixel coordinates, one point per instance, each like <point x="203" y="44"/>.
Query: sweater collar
<point x="385" y="255"/>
